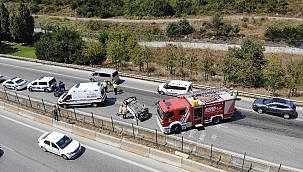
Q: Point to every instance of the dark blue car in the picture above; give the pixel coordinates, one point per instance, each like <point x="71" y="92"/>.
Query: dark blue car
<point x="276" y="106"/>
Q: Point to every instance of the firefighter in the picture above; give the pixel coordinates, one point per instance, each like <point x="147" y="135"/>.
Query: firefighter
<point x="120" y="110"/>
<point x="233" y="92"/>
<point x="105" y="86"/>
<point x="124" y="111"/>
<point x="195" y="101"/>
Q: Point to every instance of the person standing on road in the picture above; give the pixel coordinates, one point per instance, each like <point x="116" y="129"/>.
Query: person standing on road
<point x="105" y="86"/>
<point x="124" y="111"/>
<point x="55" y="111"/>
<point x="115" y="85"/>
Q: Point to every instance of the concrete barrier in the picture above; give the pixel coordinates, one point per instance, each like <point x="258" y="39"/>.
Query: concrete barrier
<point x="134" y="147"/>
<point x="63" y="126"/>
<point x="11" y="108"/>
<point x="84" y="132"/>
<point x="165" y="157"/>
<point x="44" y="119"/>
<point x="125" y="128"/>
<point x="197" y="167"/>
<point x="109" y="140"/>
<point x="27" y="114"/>
<point x="151" y="135"/>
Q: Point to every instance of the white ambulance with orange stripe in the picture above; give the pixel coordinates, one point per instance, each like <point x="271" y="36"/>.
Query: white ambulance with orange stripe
<point x="195" y="109"/>
<point x="84" y="94"/>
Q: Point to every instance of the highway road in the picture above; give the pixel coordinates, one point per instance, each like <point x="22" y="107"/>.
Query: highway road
<point x="20" y="152"/>
<point x="262" y="136"/>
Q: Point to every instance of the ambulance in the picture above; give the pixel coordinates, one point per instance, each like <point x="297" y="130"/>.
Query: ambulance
<point x="84" y="94"/>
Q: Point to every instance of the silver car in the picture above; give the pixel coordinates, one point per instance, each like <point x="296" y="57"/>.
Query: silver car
<point x="276" y="106"/>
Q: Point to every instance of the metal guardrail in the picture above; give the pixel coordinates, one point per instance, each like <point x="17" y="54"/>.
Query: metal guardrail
<point x="147" y="78"/>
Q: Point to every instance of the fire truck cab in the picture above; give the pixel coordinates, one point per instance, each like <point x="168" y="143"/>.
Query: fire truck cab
<point x="194" y="109"/>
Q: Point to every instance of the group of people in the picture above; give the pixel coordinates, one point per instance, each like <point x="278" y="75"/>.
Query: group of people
<point x="60" y="85"/>
<point x="115" y="85"/>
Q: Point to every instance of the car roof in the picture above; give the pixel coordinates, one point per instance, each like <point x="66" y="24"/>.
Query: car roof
<point x="42" y="78"/>
<point x="54" y="136"/>
<point x="15" y="78"/>
<point x="180" y="83"/>
<point x="105" y="70"/>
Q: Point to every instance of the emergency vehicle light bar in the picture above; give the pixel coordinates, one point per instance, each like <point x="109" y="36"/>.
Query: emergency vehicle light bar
<point x="99" y="83"/>
<point x="78" y="85"/>
<point x="13" y="78"/>
<point x="41" y="77"/>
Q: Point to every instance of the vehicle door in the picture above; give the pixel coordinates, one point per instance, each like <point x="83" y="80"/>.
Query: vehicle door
<point x="55" y="149"/>
<point x="198" y="115"/>
<point x="35" y="86"/>
<point x="169" y="89"/>
<point x="10" y="84"/>
<point x="272" y="108"/>
<point x="47" y="145"/>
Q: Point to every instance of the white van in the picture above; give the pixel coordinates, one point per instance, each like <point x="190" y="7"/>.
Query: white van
<point x="82" y="94"/>
<point x="105" y="74"/>
<point x="175" y="87"/>
<point x="42" y="84"/>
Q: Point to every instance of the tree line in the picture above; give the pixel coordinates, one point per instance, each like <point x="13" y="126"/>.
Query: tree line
<point x="161" y="8"/>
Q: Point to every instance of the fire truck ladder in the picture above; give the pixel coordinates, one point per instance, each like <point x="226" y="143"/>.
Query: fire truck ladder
<point x="203" y="92"/>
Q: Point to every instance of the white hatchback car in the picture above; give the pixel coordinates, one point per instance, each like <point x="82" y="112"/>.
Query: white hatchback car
<point x="59" y="144"/>
<point x="15" y="83"/>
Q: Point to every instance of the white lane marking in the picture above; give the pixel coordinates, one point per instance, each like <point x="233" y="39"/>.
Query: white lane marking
<point x="94" y="149"/>
<point x="1" y="145"/>
<point x="214" y="136"/>
<point x="191" y="133"/>
<point x="122" y="159"/>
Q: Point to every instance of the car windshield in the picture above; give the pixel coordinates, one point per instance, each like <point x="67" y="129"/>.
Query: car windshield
<point x="19" y="81"/>
<point x="64" y="141"/>
<point x="267" y="101"/>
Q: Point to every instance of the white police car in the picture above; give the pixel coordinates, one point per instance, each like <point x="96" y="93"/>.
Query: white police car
<point x="46" y="84"/>
<point x="15" y="83"/>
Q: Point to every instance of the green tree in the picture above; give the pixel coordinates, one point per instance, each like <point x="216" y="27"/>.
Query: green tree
<point x="274" y="73"/>
<point x="245" y="64"/>
<point x="294" y="75"/>
<point x="217" y="20"/>
<point x="169" y="57"/>
<point x="273" y="32"/>
<point x="181" y="27"/>
<point x="94" y="50"/>
<point x="115" y="51"/>
<point x="207" y="66"/>
<point x="62" y="45"/>
<point x="4" y="23"/>
<point x="192" y="60"/>
<point x="137" y="56"/>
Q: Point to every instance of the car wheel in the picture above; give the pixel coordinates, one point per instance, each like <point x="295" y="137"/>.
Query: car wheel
<point x="216" y="120"/>
<point x="286" y="116"/>
<point x="43" y="148"/>
<point x="65" y="157"/>
<point x="260" y="110"/>
<point x="46" y="90"/>
<point x="92" y="80"/>
<point x="176" y="129"/>
<point x="95" y="105"/>
<point x="161" y="92"/>
<point x="30" y="89"/>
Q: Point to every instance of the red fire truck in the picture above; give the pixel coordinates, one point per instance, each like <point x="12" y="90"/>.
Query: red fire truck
<point x="195" y="109"/>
